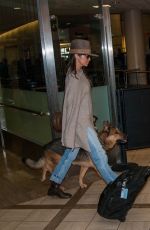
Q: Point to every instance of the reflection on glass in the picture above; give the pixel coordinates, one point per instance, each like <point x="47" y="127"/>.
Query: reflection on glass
<point x="21" y="64"/>
<point x="21" y="60"/>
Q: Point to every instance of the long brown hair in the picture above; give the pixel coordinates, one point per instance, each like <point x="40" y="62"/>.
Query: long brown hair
<point x="72" y="64"/>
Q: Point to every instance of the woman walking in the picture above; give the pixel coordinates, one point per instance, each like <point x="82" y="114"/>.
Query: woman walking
<point x="77" y="123"/>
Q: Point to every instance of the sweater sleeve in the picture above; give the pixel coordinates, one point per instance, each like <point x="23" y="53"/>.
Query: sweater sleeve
<point x="73" y="96"/>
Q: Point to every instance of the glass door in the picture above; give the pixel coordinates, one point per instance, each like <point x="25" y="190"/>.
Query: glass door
<point x="23" y="97"/>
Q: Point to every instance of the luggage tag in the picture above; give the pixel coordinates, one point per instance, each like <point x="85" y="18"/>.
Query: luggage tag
<point x="124" y="193"/>
<point x="124" y="190"/>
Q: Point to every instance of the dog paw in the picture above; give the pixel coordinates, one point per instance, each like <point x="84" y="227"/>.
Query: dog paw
<point x="83" y="185"/>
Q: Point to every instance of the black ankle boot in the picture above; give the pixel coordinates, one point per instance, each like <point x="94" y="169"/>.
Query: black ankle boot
<point x="55" y="190"/>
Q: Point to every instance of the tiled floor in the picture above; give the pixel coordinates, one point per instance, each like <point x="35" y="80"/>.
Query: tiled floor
<point x="78" y="213"/>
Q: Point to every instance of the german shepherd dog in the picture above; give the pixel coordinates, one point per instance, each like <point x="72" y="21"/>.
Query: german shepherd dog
<point x="53" y="151"/>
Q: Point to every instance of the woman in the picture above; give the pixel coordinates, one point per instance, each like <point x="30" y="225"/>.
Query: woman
<point x="77" y="123"/>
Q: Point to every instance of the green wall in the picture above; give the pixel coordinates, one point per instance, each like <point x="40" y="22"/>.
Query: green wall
<point x="24" y="124"/>
<point x="37" y="128"/>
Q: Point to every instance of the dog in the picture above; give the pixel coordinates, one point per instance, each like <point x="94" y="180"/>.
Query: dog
<point x="53" y="151"/>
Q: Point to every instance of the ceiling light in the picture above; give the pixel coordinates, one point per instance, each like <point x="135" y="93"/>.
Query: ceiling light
<point x="106" y="5"/>
<point x="17" y="8"/>
<point x="96" y="6"/>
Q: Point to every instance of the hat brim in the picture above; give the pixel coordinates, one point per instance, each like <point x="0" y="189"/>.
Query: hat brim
<point x="86" y="53"/>
<point x="83" y="51"/>
<point x="94" y="55"/>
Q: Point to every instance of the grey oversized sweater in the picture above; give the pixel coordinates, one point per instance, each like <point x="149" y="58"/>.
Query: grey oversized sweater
<point x="77" y="111"/>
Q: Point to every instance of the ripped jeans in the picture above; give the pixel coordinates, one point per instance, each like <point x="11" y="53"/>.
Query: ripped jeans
<point x="97" y="154"/>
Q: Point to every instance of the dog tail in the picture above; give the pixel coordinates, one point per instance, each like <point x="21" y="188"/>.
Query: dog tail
<point x="34" y="164"/>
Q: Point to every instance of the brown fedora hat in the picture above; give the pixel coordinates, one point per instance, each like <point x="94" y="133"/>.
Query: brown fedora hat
<point x="81" y="46"/>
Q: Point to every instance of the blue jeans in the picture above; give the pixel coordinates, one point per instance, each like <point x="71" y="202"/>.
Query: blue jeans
<point x="97" y="154"/>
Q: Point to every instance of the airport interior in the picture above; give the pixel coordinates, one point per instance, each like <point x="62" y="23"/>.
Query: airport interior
<point x="35" y="39"/>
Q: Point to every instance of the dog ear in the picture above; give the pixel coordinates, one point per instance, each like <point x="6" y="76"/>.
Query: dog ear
<point x="106" y="126"/>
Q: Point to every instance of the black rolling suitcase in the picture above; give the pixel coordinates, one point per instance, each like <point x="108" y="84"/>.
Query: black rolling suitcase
<point x="118" y="196"/>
